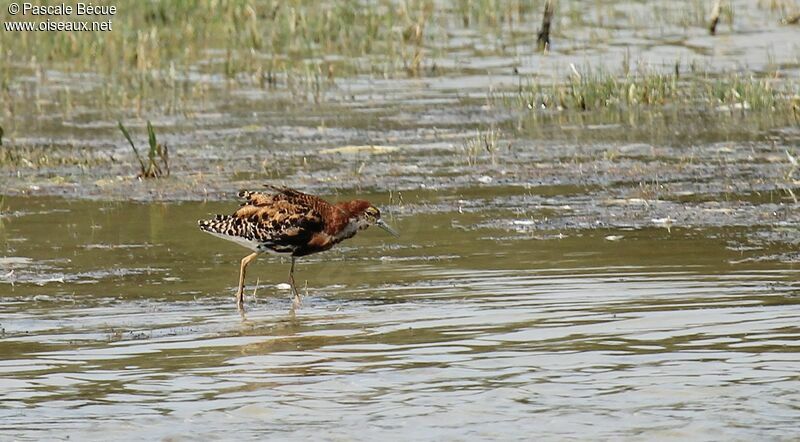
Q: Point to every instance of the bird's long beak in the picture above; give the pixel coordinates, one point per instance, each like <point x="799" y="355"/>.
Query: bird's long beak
<point x="386" y="227"/>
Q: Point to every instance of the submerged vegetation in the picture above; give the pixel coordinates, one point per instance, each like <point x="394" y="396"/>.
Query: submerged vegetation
<point x="49" y="157"/>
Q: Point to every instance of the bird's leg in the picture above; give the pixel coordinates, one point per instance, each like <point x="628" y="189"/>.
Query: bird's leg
<point x="242" y="270"/>
<point x="296" y="300"/>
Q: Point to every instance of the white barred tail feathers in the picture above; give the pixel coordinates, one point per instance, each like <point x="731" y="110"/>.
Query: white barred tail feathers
<point x="221" y="224"/>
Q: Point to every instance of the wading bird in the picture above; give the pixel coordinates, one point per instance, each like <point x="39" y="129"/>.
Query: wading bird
<point x="290" y="223"/>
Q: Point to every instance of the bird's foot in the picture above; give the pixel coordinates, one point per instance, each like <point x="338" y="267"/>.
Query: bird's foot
<point x="297" y="301"/>
<point x="240" y="302"/>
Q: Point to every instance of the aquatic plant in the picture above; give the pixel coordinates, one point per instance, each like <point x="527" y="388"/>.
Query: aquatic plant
<point x="151" y="169"/>
<point x="595" y="90"/>
<point x="483" y="140"/>
<point x="162" y="56"/>
<point x="543" y="37"/>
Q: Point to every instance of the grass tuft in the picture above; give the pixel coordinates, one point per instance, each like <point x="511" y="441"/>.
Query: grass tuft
<point x="598" y="90"/>
<point x="484" y="140"/>
<point x="157" y="152"/>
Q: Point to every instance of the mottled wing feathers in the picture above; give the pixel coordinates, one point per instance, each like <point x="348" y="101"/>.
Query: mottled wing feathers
<point x="297" y="197"/>
<point x="283" y="223"/>
<point x="254" y="198"/>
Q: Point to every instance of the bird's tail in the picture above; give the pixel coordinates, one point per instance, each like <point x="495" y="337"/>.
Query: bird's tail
<point x="221" y="224"/>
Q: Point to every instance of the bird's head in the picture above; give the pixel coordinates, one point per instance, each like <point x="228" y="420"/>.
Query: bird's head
<point x="367" y="215"/>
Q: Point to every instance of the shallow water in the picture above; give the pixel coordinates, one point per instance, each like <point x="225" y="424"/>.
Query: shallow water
<point x="118" y="321"/>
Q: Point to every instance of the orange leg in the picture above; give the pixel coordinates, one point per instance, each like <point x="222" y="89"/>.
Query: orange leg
<point x="242" y="270"/>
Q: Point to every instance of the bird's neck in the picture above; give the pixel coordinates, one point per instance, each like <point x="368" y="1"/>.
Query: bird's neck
<point x="340" y="221"/>
<point x="352" y="208"/>
<point x="343" y="221"/>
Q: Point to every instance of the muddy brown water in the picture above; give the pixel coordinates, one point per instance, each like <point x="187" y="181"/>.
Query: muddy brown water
<point x="118" y="321"/>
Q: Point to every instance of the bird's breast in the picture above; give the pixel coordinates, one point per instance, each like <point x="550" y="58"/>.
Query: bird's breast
<point x="349" y="230"/>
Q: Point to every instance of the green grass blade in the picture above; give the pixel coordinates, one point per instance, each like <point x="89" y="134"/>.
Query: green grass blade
<point x="154" y="168"/>
<point x="151" y="134"/>
<point x="135" y="151"/>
